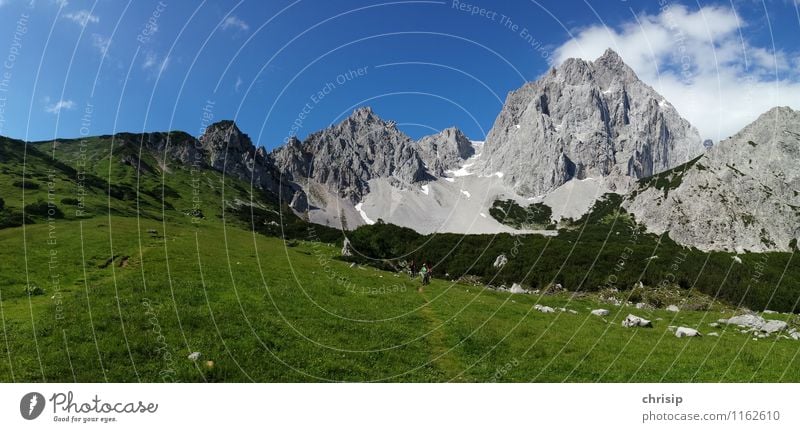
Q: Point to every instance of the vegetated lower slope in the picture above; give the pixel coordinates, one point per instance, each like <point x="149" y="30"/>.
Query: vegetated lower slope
<point x="604" y="249"/>
<point x="119" y="176"/>
<point x="131" y="306"/>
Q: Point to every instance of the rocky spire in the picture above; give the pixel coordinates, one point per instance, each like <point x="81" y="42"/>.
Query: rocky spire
<point x="586" y="119"/>
<point x="345" y="157"/>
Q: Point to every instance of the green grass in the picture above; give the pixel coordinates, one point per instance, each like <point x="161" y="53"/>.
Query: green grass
<point x="265" y="311"/>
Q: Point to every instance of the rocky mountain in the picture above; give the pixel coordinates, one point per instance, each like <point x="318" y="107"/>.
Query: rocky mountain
<point x="227" y="149"/>
<point x="743" y="194"/>
<point x="586" y="120"/>
<point x="345" y="157"/>
<point x="445" y="151"/>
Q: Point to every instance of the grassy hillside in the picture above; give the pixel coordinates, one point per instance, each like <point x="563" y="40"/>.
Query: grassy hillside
<point x="264" y="309"/>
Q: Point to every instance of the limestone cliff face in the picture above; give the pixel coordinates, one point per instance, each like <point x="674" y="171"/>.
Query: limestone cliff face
<point x="586" y="119"/>
<point x="345" y="157"/>
<point x="445" y="151"/>
<point x="227" y="149"/>
<point x="743" y="194"/>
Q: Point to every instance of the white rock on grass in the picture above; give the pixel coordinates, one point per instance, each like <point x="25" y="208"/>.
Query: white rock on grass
<point x="600" y="312"/>
<point x="713" y="334"/>
<point x="635" y="321"/>
<point x="500" y="261"/>
<point x="747" y="320"/>
<point x="686" y="332"/>
<point x="795" y="335"/>
<point x="194" y="356"/>
<point x="544" y="309"/>
<point x="673" y="308"/>
<point x="517" y="289"/>
<point x="773" y="326"/>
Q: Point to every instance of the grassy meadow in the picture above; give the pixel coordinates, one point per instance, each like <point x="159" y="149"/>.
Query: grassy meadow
<point x="263" y="309"/>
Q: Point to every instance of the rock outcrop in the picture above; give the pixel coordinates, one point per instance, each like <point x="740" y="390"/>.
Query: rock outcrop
<point x="744" y="194"/>
<point x="445" y="151"/>
<point x="586" y="120"/>
<point x="228" y="150"/>
<point x="345" y="157"/>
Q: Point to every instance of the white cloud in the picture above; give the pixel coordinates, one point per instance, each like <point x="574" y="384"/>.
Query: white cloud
<point x="235" y="22"/>
<point x="56" y="108"/>
<point x="82" y="17"/>
<point x="154" y="63"/>
<point x="697" y="60"/>
<point x="238" y="84"/>
<point x="101" y="43"/>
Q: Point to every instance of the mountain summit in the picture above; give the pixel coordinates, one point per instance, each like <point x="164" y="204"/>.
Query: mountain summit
<point x="587" y="120"/>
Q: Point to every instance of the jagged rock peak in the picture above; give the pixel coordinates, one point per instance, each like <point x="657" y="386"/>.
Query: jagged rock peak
<point x="226" y="132"/>
<point x="611" y="60"/>
<point x="444" y="151"/>
<point x="586" y="119"/>
<point x="344" y="157"/>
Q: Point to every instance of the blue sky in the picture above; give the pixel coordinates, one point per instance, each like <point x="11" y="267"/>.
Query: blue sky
<point x="74" y="67"/>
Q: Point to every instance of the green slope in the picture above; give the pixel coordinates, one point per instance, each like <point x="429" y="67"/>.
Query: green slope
<point x="268" y="310"/>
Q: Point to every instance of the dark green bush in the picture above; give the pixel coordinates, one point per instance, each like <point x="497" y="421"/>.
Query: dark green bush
<point x="43" y="209"/>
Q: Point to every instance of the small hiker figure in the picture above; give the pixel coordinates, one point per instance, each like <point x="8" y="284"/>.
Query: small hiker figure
<point x="423" y="273"/>
<point x="412" y="268"/>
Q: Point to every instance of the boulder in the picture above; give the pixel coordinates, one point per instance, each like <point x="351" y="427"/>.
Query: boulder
<point x="747" y="320"/>
<point x="500" y="261"/>
<point x="346" y="250"/>
<point x="600" y="312"/>
<point x="686" y="332"/>
<point x="795" y="335"/>
<point x="517" y="289"/>
<point x="713" y="334"/>
<point x="194" y="356"/>
<point x="773" y="326"/>
<point x="544" y="309"/>
<point x="635" y="321"/>
<point x="673" y="308"/>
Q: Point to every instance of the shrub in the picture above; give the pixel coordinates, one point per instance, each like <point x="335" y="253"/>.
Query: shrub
<point x="43" y="209"/>
<point x="26" y="184"/>
<point x="33" y="290"/>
